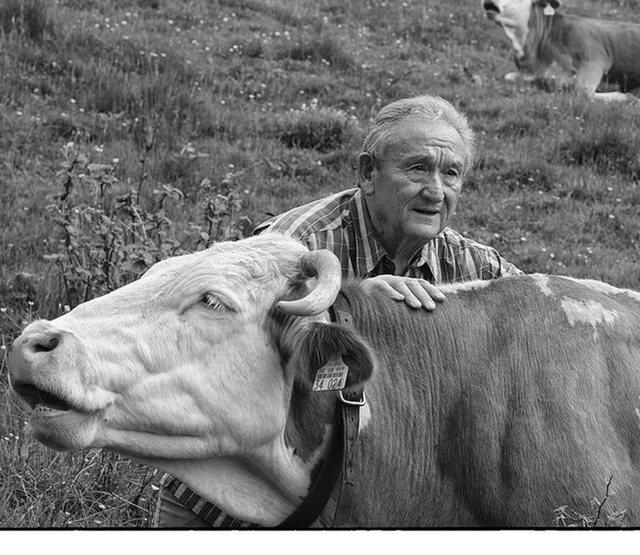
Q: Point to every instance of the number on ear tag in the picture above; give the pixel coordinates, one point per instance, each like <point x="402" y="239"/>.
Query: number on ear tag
<point x="331" y="376"/>
<point x="548" y="10"/>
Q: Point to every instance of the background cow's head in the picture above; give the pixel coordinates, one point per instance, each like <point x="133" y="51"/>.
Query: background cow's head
<point x="513" y="16"/>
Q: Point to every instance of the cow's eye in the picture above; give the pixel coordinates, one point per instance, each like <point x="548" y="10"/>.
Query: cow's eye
<point x="214" y="302"/>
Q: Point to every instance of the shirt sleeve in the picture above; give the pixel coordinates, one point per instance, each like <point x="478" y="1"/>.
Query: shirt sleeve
<point x="505" y="268"/>
<point x="463" y="259"/>
<point x="274" y="225"/>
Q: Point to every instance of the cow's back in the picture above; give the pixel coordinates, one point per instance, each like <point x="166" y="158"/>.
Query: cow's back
<point x="613" y="45"/>
<point x="505" y="403"/>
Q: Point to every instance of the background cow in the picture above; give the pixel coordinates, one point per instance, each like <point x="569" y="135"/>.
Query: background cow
<point x="515" y="397"/>
<point x="588" y="49"/>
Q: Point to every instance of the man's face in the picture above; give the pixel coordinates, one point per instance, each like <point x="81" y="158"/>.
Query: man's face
<point x="413" y="191"/>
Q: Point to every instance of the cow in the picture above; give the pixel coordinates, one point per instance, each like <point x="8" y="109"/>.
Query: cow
<point x="588" y="50"/>
<point x="254" y="375"/>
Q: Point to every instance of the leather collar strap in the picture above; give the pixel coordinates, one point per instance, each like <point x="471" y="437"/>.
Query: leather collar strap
<point x="341" y="452"/>
<point x="350" y="410"/>
<point x="309" y="511"/>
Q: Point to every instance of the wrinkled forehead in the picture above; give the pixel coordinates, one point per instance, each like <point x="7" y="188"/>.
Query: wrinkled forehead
<point x="263" y="259"/>
<point x="413" y="136"/>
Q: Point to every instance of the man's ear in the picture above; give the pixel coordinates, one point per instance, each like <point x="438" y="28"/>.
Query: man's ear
<point x="324" y="351"/>
<point x="365" y="172"/>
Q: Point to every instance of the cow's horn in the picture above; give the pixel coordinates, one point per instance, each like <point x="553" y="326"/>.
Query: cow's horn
<point x="326" y="266"/>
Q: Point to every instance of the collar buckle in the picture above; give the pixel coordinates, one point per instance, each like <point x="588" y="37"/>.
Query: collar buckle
<point x="361" y="401"/>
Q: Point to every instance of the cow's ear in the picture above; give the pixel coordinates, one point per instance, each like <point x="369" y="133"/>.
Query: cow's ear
<point x="330" y="356"/>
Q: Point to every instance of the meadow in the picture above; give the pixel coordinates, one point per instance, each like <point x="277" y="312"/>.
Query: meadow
<point x="132" y="131"/>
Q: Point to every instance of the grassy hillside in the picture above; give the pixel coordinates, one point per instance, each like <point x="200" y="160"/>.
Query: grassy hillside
<point x="130" y="131"/>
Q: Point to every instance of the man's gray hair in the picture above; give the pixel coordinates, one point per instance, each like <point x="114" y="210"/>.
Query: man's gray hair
<point x="431" y="108"/>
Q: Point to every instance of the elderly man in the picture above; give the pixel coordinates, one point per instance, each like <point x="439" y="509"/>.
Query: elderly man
<point x="393" y="226"/>
<point x="391" y="229"/>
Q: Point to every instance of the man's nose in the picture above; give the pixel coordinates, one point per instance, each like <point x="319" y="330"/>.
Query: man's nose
<point x="433" y="189"/>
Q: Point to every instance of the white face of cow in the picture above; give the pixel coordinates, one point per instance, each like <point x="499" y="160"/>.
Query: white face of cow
<point x="513" y="17"/>
<point x="179" y="362"/>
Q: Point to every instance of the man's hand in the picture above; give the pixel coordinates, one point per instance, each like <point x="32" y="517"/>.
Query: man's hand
<point x="417" y="293"/>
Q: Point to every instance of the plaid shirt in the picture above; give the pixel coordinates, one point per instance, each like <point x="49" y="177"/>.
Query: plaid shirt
<point x="341" y="224"/>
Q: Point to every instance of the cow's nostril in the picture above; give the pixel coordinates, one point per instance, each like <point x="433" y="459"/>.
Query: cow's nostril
<point x="46" y="344"/>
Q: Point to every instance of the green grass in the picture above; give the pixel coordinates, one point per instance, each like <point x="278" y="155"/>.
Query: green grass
<point x="221" y="113"/>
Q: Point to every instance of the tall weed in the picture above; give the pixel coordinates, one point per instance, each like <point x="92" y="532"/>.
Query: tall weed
<point x="111" y="234"/>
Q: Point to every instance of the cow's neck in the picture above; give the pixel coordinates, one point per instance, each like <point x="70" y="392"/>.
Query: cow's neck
<point x="267" y="485"/>
<point x="535" y="39"/>
<point x="515" y="27"/>
<point x="262" y="488"/>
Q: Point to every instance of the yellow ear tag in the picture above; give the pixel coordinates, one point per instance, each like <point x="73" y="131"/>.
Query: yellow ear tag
<point x="331" y="376"/>
<point x="548" y="10"/>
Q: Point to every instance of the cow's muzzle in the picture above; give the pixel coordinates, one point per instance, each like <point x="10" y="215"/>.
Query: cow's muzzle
<point x="29" y="357"/>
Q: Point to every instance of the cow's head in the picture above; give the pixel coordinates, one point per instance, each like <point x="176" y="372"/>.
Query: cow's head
<point x="191" y="369"/>
<point x="513" y="16"/>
